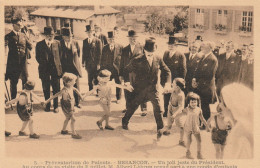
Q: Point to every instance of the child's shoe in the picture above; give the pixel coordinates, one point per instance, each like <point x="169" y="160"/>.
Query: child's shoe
<point x="199" y="156"/>
<point x="21" y="133"/>
<point x="34" y="136"/>
<point x="108" y="127"/>
<point x="188" y="155"/>
<point x="99" y="124"/>
<point x="181" y="143"/>
<point x="76" y="136"/>
<point x="167" y="132"/>
<point x="159" y="135"/>
<point x="65" y="132"/>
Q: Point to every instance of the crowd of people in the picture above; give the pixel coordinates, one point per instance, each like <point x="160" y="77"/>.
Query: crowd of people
<point x="191" y="81"/>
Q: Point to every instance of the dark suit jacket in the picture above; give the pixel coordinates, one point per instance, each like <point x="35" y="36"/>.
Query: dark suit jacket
<point x="75" y="54"/>
<point x="176" y="64"/>
<point x="42" y="55"/>
<point x="110" y="60"/>
<point x="205" y="77"/>
<point x="103" y="39"/>
<point x="147" y="75"/>
<point x="17" y="60"/>
<point x="246" y="73"/>
<point x="228" y="69"/>
<point x="91" y="55"/>
<point x="192" y="66"/>
<point x="127" y="55"/>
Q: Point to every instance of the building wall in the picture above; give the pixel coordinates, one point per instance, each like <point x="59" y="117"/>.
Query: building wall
<point x="79" y="28"/>
<point x="209" y="32"/>
<point x="40" y="23"/>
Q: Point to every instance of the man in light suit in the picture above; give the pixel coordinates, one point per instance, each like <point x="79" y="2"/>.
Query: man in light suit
<point x="228" y="69"/>
<point x="110" y="60"/>
<point x="146" y="85"/>
<point x="91" y="56"/>
<point x="204" y="78"/>
<point x="176" y="62"/>
<point x="70" y="53"/>
<point x="129" y="52"/>
<point x="48" y="55"/>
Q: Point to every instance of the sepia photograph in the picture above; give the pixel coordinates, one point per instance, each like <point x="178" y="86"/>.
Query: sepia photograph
<point x="125" y="83"/>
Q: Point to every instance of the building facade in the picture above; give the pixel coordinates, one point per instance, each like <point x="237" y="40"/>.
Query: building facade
<point x="226" y="23"/>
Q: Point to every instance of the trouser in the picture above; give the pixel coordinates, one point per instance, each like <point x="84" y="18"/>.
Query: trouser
<point x="54" y="82"/>
<point x="13" y="84"/>
<point x="76" y="96"/>
<point x="128" y="99"/>
<point x="140" y="96"/>
<point x="166" y="102"/>
<point x="92" y="77"/>
<point x="118" y="90"/>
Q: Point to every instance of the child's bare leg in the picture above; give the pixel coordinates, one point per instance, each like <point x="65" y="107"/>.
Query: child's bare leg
<point x="107" y="114"/>
<point x="181" y="133"/>
<point x="73" y="120"/>
<point x="24" y="126"/>
<point x="65" y="124"/>
<point x="222" y="147"/>
<point x="31" y="126"/>
<point x="189" y="140"/>
<point x="218" y="150"/>
<point x="170" y="120"/>
<point x="198" y="138"/>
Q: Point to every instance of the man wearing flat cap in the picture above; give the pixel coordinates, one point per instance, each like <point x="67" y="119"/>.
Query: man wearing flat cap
<point x="176" y="62"/>
<point x="146" y="85"/>
<point x="110" y="60"/>
<point x="48" y="55"/>
<point x="16" y="44"/>
<point x="70" y="53"/>
<point x="91" y="56"/>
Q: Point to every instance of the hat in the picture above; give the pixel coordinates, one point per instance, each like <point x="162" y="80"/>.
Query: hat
<point x="48" y="31"/>
<point x="110" y="34"/>
<point x="172" y="40"/>
<point x="104" y="73"/>
<point x="29" y="85"/>
<point x="131" y="33"/>
<point x="14" y="20"/>
<point x="66" y="25"/>
<point x="88" y="28"/>
<point x="150" y="44"/>
<point x="199" y="38"/>
<point x="65" y="31"/>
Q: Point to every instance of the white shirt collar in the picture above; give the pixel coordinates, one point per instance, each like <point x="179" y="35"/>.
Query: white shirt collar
<point x="171" y="53"/>
<point x="16" y="32"/>
<point x="228" y="55"/>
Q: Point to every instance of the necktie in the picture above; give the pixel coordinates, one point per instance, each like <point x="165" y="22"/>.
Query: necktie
<point x="191" y="57"/>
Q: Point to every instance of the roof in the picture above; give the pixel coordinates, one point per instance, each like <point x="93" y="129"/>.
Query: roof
<point x="138" y="17"/>
<point x="73" y="13"/>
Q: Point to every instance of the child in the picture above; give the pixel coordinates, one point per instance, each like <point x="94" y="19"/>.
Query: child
<point x="104" y="88"/>
<point x="67" y="103"/>
<point x="24" y="108"/>
<point x="191" y="125"/>
<point x="219" y="132"/>
<point x="176" y="105"/>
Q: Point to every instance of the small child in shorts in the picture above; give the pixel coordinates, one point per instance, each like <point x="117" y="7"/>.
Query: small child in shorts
<point x="25" y="108"/>
<point x="67" y="103"/>
<point x="104" y="88"/>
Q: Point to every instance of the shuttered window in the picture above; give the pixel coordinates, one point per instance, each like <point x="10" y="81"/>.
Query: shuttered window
<point x="199" y="18"/>
<point x="247" y="21"/>
<point x="222" y="18"/>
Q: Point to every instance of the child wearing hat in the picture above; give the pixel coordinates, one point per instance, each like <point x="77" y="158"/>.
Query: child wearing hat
<point x="105" y="92"/>
<point x="25" y="108"/>
<point x="67" y="103"/>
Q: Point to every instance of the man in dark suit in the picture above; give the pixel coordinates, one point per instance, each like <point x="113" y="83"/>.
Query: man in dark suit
<point x="91" y="56"/>
<point x="228" y="67"/>
<point x="110" y="60"/>
<point x="204" y="78"/>
<point x="17" y="45"/>
<point x="70" y="53"/>
<point x="192" y="61"/>
<point x="129" y="52"/>
<point x="176" y="62"/>
<point x="146" y="85"/>
<point x="100" y="36"/>
<point x="48" y="55"/>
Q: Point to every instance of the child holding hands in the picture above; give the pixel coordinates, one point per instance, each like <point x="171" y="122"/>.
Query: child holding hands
<point x="104" y="88"/>
<point x="67" y="103"/>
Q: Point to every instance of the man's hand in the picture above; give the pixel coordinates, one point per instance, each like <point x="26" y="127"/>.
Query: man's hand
<point x="98" y="67"/>
<point x="129" y="87"/>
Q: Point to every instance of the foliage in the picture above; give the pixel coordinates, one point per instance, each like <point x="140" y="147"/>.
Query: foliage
<point x="220" y="27"/>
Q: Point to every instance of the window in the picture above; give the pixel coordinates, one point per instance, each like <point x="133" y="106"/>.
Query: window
<point x="199" y="17"/>
<point x="247" y="21"/>
<point x="222" y="18"/>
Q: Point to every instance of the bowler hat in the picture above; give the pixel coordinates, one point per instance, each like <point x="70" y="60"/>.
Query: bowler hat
<point x="66" y="25"/>
<point x="172" y="40"/>
<point x="88" y="28"/>
<point x="66" y="31"/>
<point x="110" y="34"/>
<point x="48" y="31"/>
<point x="150" y="44"/>
<point x="29" y="85"/>
<point x="14" y="20"/>
<point x="131" y="33"/>
<point x="199" y="38"/>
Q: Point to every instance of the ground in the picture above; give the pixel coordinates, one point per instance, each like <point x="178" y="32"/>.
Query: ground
<point x="137" y="142"/>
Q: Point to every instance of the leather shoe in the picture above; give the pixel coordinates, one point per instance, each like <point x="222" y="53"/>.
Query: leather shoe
<point x="79" y="106"/>
<point x="47" y="109"/>
<point x="124" y="124"/>
<point x="99" y="124"/>
<point x="144" y="113"/>
<point x="56" y="110"/>
<point x="108" y="127"/>
<point x="7" y="133"/>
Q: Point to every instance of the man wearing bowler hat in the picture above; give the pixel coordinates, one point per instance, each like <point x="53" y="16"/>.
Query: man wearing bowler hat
<point x="91" y="56"/>
<point x="176" y="62"/>
<point x="129" y="52"/>
<point x="146" y="86"/>
<point x="48" y="55"/>
<point x="70" y="53"/>
<point x="17" y="45"/>
<point x="110" y="60"/>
